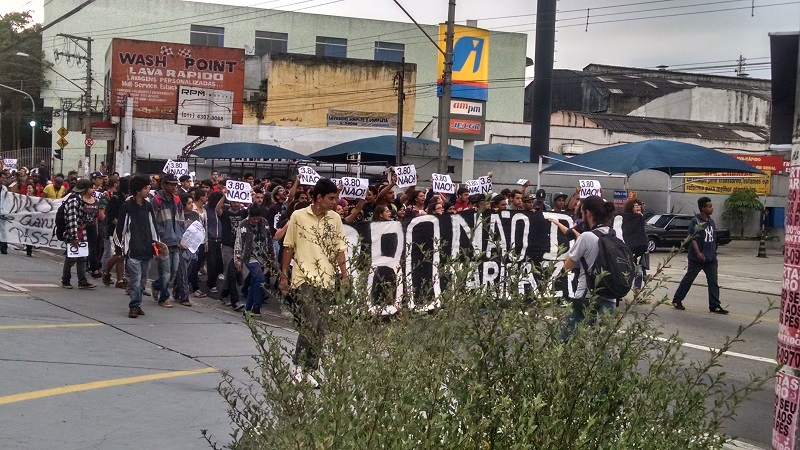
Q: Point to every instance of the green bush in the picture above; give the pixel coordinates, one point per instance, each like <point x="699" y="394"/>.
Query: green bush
<point x="488" y="370"/>
<point x="739" y="205"/>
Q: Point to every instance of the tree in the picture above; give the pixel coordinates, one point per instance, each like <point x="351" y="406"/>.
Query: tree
<point x="19" y="33"/>
<point x="739" y="205"/>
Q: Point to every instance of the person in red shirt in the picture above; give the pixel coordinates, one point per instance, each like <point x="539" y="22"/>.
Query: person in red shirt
<point x="462" y="199"/>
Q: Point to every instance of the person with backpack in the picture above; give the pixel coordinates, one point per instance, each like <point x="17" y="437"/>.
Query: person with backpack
<point x="702" y="255"/>
<point x="169" y="223"/>
<point x="75" y="213"/>
<point x="136" y="231"/>
<point x="597" y="250"/>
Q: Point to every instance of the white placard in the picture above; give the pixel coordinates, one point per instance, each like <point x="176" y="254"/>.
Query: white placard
<point x="482" y="185"/>
<point x="193" y="236"/>
<point x="179" y="168"/>
<point x="354" y="187"/>
<point x="336" y="181"/>
<point x="204" y="107"/>
<point x="406" y="175"/>
<point x="81" y="251"/>
<point x="443" y="183"/>
<point x="589" y="187"/>
<point x="10" y="163"/>
<point x="239" y="191"/>
<point x="308" y="176"/>
<point x="522" y="181"/>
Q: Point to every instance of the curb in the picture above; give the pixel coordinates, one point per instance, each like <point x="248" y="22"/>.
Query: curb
<point x="739" y="445"/>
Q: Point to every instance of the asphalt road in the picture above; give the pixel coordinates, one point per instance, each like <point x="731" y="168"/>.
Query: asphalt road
<point x="76" y="373"/>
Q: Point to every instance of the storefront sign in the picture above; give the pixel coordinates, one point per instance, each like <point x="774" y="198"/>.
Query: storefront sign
<point x="704" y="185"/>
<point x="361" y="119"/>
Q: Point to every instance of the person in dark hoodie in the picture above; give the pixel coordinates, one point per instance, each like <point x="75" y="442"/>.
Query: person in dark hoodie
<point x="169" y="223"/>
<point x="136" y="232"/>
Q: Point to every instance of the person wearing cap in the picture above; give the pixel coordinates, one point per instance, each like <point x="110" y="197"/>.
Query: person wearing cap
<point x="169" y="227"/>
<point x="528" y="201"/>
<point x="539" y="204"/>
<point x="78" y="211"/>
<point x="560" y="202"/>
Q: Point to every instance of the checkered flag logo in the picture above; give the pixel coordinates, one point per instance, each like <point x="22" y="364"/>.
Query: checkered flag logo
<point x="185" y="53"/>
<point x="166" y="51"/>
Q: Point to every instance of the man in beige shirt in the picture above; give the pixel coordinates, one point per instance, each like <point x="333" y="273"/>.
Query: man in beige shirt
<point x="315" y="241"/>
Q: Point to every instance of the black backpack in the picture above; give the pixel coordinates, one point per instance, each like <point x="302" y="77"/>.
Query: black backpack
<point x="61" y="220"/>
<point x="617" y="264"/>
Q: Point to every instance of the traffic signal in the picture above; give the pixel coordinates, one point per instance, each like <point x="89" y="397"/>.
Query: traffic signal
<point x="57" y="153"/>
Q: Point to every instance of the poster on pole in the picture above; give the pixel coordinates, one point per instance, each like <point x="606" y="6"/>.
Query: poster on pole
<point x="308" y="176"/>
<point x="239" y="191"/>
<point x="443" y="183"/>
<point x="784" y="429"/>
<point x="481" y="186"/>
<point x="178" y="168"/>
<point x="406" y="175"/>
<point x="354" y="187"/>
<point x="589" y="188"/>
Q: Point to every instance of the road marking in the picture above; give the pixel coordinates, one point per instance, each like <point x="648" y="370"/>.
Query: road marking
<point x="7" y="286"/>
<point x="54" y="325"/>
<point x="36" y="285"/>
<point x="99" y="385"/>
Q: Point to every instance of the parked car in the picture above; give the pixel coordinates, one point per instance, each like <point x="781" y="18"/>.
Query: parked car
<point x="668" y="230"/>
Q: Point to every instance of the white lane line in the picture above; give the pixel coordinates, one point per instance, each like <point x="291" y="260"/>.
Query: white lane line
<point x="5" y="285"/>
<point x="36" y="285"/>
<point x="728" y="353"/>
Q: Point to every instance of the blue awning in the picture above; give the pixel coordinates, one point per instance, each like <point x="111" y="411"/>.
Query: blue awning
<point x="381" y="149"/>
<point x="243" y="150"/>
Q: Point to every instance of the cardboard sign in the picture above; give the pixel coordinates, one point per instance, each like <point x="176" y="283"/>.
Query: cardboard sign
<point x="443" y="183"/>
<point x="81" y="251"/>
<point x="179" y="168"/>
<point x="522" y="181"/>
<point x="308" y="176"/>
<point x="194" y="236"/>
<point x="482" y="185"/>
<point x="239" y="191"/>
<point x="336" y="181"/>
<point x="589" y="188"/>
<point x="10" y="163"/>
<point x="354" y="187"/>
<point x="406" y="176"/>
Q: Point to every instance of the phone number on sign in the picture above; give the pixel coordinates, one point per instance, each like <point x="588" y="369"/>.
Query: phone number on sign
<point x="186" y="115"/>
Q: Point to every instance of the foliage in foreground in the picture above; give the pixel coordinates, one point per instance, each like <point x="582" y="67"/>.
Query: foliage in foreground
<point x="486" y="371"/>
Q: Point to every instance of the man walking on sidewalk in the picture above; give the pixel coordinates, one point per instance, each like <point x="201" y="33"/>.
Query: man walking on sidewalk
<point x="170" y="227"/>
<point x="702" y="255"/>
<point x="136" y="231"/>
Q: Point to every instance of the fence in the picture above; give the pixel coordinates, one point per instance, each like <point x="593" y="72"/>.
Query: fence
<point x="30" y="157"/>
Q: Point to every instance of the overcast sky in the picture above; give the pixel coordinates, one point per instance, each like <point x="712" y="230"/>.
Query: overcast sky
<point x="687" y="39"/>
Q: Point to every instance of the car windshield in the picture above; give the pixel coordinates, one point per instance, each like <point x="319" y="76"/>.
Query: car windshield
<point x="659" y="220"/>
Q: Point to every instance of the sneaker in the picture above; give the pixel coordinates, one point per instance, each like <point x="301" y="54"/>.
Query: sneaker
<point x="106" y="278"/>
<point x="678" y="305"/>
<point x="213" y="290"/>
<point x="165" y="303"/>
<point x="145" y="292"/>
<point x="199" y="294"/>
<point x="255" y="312"/>
<point x="121" y="284"/>
<point x="186" y="302"/>
<point x="66" y="285"/>
<point x="238" y="307"/>
<point x="719" y="310"/>
<point x="86" y="285"/>
<point x="133" y="313"/>
<point x="139" y="311"/>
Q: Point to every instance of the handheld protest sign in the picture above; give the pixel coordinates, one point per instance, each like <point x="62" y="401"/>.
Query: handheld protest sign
<point x="308" y="176"/>
<point x="10" y="163"/>
<point x="443" y="183"/>
<point x="406" y="175"/>
<point x="79" y="251"/>
<point x="239" y="191"/>
<point x="354" y="187"/>
<point x="482" y="185"/>
<point x="589" y="188"/>
<point x="178" y="168"/>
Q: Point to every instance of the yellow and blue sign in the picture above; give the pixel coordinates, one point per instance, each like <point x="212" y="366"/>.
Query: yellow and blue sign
<point x="470" y="62"/>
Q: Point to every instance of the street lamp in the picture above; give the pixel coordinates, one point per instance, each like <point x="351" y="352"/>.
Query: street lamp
<point x="33" y="114"/>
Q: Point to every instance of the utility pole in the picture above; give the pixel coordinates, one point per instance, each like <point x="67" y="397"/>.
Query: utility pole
<point x="87" y="119"/>
<point x="543" y="79"/>
<point x="447" y="85"/>
<point x="401" y="96"/>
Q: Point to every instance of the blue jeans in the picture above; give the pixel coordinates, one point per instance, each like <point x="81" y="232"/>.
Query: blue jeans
<point x="583" y="307"/>
<point x="181" y="290"/>
<point x="66" y="272"/>
<point x="256" y="292"/>
<point x="137" y="272"/>
<point x="167" y="273"/>
<point x="710" y="268"/>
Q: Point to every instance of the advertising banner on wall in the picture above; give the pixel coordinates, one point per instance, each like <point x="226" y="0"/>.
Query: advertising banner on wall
<point x="204" y="107"/>
<point x="151" y="72"/>
<point x="770" y="164"/>
<point x="470" y="62"/>
<point x="467" y="120"/>
<point x="361" y="119"/>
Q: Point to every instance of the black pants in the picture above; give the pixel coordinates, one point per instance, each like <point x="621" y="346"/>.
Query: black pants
<point x="214" y="264"/>
<point x="710" y="269"/>
<point x="310" y="309"/>
<point x="233" y="279"/>
<point x="94" y="258"/>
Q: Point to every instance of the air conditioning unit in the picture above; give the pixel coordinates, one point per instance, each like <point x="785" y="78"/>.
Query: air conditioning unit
<point x="570" y="149"/>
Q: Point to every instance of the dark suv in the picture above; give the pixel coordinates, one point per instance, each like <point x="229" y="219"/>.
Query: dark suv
<point x="668" y="230"/>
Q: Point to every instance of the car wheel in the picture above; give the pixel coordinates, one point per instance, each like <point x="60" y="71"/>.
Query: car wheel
<point x="652" y="243"/>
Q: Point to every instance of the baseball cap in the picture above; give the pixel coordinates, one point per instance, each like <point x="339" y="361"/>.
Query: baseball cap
<point x="540" y="194"/>
<point x="559" y="194"/>
<point x="169" y="178"/>
<point x="82" y="185"/>
<point x="528" y="198"/>
<point x="96" y="175"/>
